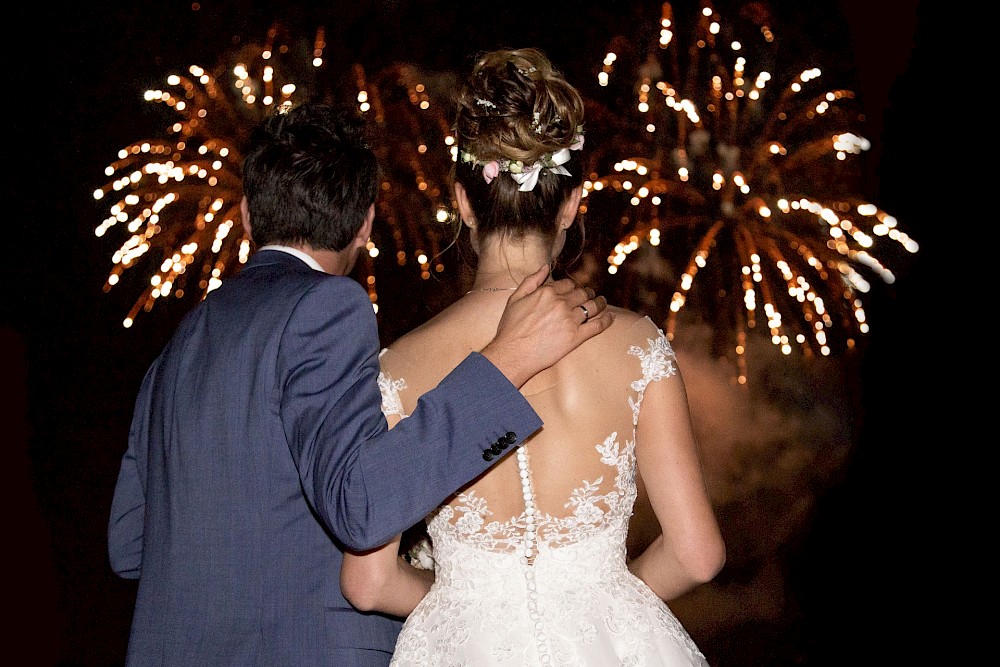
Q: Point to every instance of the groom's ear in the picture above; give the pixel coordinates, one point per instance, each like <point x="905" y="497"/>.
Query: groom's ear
<point x="245" y="218"/>
<point x="365" y="232"/>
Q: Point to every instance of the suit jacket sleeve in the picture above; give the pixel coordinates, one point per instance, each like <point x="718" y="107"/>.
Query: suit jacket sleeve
<point x="128" y="507"/>
<point x="367" y="483"/>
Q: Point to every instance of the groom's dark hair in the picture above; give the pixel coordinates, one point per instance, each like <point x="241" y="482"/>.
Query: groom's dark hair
<point x="309" y="177"/>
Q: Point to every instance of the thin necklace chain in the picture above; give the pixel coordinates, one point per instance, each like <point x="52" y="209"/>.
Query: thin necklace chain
<point x="492" y="289"/>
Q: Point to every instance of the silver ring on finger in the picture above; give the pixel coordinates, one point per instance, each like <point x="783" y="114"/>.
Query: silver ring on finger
<point x="586" y="314"/>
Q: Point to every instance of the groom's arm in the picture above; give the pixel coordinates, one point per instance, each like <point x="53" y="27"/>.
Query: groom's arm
<point x="369" y="484"/>
<point x="126" y="525"/>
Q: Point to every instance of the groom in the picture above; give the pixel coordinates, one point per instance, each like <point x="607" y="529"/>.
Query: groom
<point x="258" y="450"/>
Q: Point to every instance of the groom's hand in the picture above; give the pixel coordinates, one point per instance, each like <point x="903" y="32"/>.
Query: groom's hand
<point x="542" y="323"/>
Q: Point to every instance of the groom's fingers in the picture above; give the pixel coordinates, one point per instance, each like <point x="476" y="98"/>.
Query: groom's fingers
<point x="582" y="296"/>
<point x="595" y="325"/>
<point x="592" y="302"/>
<point x="563" y="287"/>
<point x="583" y="300"/>
<point x="598" y="317"/>
<point x="531" y="283"/>
<point x="593" y="307"/>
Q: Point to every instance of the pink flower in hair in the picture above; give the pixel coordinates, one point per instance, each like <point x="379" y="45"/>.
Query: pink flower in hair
<point x="490" y="171"/>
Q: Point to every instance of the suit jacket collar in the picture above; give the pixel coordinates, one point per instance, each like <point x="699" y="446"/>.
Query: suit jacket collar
<point x="271" y="257"/>
<point x="295" y="252"/>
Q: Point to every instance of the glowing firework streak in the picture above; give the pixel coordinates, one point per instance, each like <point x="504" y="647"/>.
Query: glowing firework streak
<point x="178" y="198"/>
<point x="756" y="176"/>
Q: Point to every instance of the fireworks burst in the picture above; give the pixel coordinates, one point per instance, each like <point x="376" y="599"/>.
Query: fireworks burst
<point x="753" y="170"/>
<point x="725" y="181"/>
<point x="408" y="109"/>
<point x="179" y="197"/>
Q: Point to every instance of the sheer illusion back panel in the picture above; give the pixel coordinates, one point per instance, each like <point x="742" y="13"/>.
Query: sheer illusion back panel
<point x="581" y="462"/>
<point x="529" y="559"/>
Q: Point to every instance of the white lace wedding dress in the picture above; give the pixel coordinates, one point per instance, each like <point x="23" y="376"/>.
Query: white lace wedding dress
<point x="530" y="569"/>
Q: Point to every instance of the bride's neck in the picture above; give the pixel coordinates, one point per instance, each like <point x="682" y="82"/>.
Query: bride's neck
<point x="505" y="263"/>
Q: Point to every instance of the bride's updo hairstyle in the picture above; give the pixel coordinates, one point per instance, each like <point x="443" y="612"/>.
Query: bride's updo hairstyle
<point x="518" y="120"/>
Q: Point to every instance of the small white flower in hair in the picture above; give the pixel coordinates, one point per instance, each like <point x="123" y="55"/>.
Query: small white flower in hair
<point x="526" y="175"/>
<point x="485" y="103"/>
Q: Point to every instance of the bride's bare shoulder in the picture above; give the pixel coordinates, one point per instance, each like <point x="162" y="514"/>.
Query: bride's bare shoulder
<point x="434" y="347"/>
<point x="629" y="325"/>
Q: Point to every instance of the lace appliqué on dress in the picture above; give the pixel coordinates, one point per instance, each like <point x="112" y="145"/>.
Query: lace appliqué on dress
<point x="658" y="362"/>
<point x="572" y="601"/>
<point x="389" y="388"/>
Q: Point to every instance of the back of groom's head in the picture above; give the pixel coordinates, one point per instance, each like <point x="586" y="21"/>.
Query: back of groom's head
<point x="309" y="177"/>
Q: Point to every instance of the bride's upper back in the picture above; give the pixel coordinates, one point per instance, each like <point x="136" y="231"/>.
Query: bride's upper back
<point x="581" y="463"/>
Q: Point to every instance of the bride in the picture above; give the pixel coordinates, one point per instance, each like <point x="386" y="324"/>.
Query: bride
<point x="529" y="560"/>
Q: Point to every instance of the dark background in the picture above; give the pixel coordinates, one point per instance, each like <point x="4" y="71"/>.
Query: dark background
<point x="74" y="78"/>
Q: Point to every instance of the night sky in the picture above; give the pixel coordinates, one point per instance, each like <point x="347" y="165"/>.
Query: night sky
<point x="70" y="371"/>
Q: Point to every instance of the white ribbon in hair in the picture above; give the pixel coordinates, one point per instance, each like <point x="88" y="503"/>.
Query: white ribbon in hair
<point x="529" y="177"/>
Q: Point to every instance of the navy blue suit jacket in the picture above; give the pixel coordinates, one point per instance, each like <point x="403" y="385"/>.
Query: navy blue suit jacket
<point x="258" y="451"/>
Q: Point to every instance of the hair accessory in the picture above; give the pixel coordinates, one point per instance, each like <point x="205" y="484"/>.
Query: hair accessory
<point x="527" y="175"/>
<point x="536" y="122"/>
<point x="491" y="170"/>
<point x="485" y="103"/>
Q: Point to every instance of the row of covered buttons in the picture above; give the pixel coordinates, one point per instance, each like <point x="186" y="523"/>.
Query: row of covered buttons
<point x="502" y="443"/>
